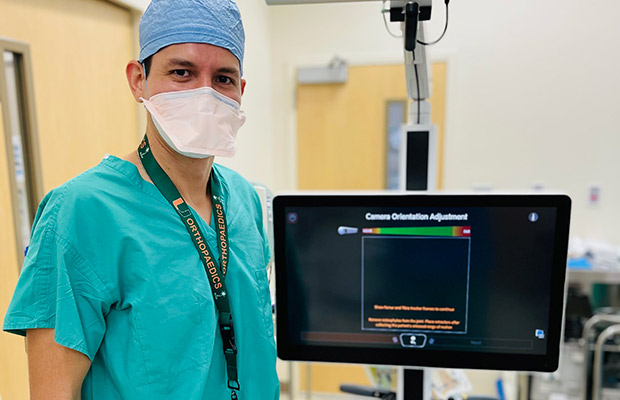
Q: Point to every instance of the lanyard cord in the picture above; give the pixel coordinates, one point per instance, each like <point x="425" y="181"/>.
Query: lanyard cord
<point x="217" y="276"/>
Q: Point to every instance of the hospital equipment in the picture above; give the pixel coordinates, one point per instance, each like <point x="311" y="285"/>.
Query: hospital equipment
<point x="454" y="281"/>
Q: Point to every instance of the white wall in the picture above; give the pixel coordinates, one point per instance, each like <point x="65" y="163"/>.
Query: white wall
<point x="254" y="158"/>
<point x="532" y="94"/>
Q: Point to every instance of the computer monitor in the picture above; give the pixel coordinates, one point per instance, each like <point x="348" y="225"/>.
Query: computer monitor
<point x="454" y="281"/>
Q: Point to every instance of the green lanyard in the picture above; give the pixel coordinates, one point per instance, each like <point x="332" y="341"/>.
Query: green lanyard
<point x="217" y="276"/>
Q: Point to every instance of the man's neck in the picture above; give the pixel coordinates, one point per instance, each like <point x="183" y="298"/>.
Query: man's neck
<point x="189" y="175"/>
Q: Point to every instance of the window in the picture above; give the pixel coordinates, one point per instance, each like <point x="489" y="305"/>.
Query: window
<point x="396" y="112"/>
<point x="20" y="135"/>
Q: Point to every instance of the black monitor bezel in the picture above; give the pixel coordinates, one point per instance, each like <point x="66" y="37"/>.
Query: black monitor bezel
<point x="288" y="350"/>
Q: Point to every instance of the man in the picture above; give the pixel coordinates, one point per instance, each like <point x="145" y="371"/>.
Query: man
<point x="145" y="276"/>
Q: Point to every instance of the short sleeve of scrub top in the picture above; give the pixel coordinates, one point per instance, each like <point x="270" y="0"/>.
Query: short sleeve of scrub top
<point x="58" y="284"/>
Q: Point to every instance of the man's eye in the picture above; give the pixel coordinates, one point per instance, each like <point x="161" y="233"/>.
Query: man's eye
<point x="181" y="73"/>
<point x="224" y="79"/>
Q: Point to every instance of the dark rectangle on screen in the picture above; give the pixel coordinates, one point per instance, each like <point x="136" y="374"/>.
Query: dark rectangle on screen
<point x="427" y="278"/>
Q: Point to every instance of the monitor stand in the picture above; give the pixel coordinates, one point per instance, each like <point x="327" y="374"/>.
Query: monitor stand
<point x="411" y="384"/>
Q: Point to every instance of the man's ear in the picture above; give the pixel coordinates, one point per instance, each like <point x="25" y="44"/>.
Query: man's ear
<point x="242" y="86"/>
<point x="135" y="79"/>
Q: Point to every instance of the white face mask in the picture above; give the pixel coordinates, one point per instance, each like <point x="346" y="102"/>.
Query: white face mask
<point x="197" y="123"/>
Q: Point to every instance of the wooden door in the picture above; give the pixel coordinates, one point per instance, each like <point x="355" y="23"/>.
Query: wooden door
<point x="13" y="369"/>
<point x="341" y="128"/>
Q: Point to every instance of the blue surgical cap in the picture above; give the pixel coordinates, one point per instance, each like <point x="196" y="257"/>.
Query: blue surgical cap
<point x="216" y="22"/>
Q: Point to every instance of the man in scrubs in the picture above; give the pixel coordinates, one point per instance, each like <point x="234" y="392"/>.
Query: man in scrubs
<point x="145" y="277"/>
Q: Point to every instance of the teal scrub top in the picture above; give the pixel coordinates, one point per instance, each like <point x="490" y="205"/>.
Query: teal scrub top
<point x="113" y="270"/>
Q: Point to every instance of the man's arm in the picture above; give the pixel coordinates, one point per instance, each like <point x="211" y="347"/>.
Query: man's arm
<point x="56" y="372"/>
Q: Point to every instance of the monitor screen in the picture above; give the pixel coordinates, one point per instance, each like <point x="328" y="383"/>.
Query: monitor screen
<point x="455" y="281"/>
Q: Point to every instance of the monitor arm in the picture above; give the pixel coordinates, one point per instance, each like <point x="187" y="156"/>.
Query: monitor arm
<point x="410" y="14"/>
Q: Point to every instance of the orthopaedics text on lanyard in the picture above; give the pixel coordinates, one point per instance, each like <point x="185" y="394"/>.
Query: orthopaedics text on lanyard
<point x="216" y="275"/>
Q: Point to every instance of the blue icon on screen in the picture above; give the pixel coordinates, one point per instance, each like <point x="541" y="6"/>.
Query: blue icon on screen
<point x="540" y="334"/>
<point x="292" y="218"/>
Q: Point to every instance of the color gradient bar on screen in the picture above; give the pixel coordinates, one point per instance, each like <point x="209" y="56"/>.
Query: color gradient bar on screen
<point x="442" y="231"/>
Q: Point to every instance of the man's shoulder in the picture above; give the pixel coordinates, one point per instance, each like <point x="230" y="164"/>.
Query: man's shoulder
<point x="234" y="181"/>
<point x="86" y="191"/>
<point x="96" y="181"/>
<point x="241" y="194"/>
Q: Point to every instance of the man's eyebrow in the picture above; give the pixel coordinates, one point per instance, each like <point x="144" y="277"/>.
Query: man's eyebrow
<point x="229" y="71"/>
<point x="178" y="62"/>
